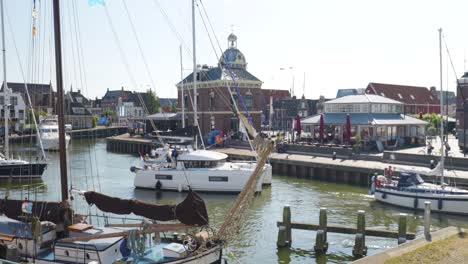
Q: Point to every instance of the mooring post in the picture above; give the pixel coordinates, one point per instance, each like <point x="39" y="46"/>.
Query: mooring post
<point x="281" y="242"/>
<point x="427" y="220"/>
<point x="287" y="223"/>
<point x="402" y="228"/>
<point x="360" y="249"/>
<point x="321" y="244"/>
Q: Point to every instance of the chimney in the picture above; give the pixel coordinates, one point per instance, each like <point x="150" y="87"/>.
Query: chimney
<point x="79" y="91"/>
<point x="433" y="89"/>
<point x="122" y="88"/>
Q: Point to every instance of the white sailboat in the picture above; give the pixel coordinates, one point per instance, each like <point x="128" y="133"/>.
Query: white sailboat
<point x="49" y="134"/>
<point x="410" y="190"/>
<point x="10" y="167"/>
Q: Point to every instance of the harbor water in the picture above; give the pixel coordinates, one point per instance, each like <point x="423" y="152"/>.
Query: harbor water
<point x="91" y="167"/>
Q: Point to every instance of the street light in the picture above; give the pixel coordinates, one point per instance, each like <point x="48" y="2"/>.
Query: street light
<point x="290" y="69"/>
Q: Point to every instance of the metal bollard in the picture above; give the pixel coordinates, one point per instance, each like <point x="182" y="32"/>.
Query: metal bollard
<point x="427" y="220"/>
<point x="402" y="228"/>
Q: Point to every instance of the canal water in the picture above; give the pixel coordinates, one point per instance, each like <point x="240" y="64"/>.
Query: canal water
<point x="92" y="167"/>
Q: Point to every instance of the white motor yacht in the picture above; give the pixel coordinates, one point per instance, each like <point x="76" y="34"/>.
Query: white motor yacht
<point x="201" y="170"/>
<point x="48" y="133"/>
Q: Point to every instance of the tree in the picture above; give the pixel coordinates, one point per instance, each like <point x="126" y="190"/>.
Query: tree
<point x="151" y="101"/>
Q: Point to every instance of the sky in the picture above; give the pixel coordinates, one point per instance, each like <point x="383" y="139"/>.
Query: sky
<point x="335" y="44"/>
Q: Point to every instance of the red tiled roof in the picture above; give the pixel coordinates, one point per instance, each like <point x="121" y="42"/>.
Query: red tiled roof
<point x="403" y="93"/>
<point x="277" y="94"/>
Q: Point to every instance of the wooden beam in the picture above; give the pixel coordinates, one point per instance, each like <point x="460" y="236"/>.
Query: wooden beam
<point x="120" y="234"/>
<point x="348" y="230"/>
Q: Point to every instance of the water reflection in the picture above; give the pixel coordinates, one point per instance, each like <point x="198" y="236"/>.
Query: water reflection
<point x="92" y="167"/>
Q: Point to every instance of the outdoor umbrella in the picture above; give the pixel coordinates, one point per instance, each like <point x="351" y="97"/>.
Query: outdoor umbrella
<point x="298" y="125"/>
<point x="321" y="128"/>
<point x="348" y="128"/>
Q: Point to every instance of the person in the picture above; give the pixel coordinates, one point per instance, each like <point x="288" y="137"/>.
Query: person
<point x="447" y="148"/>
<point x="389" y="175"/>
<point x="429" y="148"/>
<point x="175" y="154"/>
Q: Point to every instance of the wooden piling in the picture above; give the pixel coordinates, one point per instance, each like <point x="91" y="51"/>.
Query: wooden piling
<point x="287" y="224"/>
<point x="360" y="249"/>
<point x="321" y="244"/>
<point x="402" y="228"/>
<point x="427" y="220"/>
<point x="281" y="242"/>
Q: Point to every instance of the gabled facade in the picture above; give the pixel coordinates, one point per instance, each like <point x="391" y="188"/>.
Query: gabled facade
<point x="416" y="99"/>
<point x="76" y="111"/>
<point x="42" y="96"/>
<point x="17" y="110"/>
<point x="462" y="112"/>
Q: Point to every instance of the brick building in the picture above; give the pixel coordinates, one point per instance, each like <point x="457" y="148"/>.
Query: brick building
<point x="462" y="111"/>
<point x="214" y="85"/>
<point x="416" y="99"/>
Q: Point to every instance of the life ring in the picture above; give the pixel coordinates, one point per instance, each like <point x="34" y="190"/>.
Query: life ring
<point x="440" y="204"/>
<point x="415" y="203"/>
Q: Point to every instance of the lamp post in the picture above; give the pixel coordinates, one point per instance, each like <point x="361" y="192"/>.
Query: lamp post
<point x="290" y="69"/>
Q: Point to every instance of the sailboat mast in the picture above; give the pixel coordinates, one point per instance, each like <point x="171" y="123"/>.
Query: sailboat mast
<point x="195" y="114"/>
<point x="6" y="90"/>
<point x="60" y="106"/>
<point x="182" y="100"/>
<point x="441" y="118"/>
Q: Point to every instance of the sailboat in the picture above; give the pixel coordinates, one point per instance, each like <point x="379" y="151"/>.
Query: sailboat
<point x="45" y="232"/>
<point x="200" y="169"/>
<point x="410" y="190"/>
<point x="11" y="168"/>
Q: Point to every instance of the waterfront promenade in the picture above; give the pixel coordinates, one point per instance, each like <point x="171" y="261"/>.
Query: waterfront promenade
<point x="287" y="164"/>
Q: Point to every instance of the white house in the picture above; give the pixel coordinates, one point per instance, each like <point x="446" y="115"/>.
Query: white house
<point x="17" y="110"/>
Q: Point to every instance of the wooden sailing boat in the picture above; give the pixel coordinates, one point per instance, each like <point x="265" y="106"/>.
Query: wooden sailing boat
<point x="44" y="232"/>
<point x="411" y="191"/>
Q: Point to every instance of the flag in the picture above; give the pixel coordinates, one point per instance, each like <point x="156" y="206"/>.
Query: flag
<point x="95" y="2"/>
<point x="34" y="31"/>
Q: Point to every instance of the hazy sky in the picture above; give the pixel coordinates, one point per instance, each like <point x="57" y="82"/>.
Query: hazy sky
<point x="338" y="44"/>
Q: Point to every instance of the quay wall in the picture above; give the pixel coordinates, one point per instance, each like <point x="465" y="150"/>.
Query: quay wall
<point x="344" y="169"/>
<point x="100" y="132"/>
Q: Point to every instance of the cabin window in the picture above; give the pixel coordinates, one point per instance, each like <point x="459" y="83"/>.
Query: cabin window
<point x="203" y="164"/>
<point x="163" y="177"/>
<point x="217" y="179"/>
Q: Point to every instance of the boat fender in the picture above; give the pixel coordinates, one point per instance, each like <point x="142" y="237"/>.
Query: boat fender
<point x="134" y="168"/>
<point x="440" y="204"/>
<point x="158" y="185"/>
<point x="384" y="196"/>
<point x="124" y="250"/>
<point x="179" y="188"/>
<point x="415" y="204"/>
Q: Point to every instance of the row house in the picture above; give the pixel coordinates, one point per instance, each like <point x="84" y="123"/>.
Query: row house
<point x="416" y="99"/>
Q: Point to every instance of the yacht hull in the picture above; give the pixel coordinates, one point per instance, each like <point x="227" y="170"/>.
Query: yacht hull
<point x="22" y="171"/>
<point x="52" y="143"/>
<point x="228" y="180"/>
<point x="443" y="203"/>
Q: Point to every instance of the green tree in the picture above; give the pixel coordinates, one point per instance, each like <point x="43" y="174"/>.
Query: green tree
<point x="151" y="101"/>
<point x="174" y="108"/>
<point x="108" y="113"/>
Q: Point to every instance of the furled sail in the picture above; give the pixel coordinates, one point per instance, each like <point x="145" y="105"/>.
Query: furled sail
<point x="56" y="212"/>
<point x="191" y="211"/>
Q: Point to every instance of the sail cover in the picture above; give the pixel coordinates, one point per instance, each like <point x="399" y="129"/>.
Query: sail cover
<point x="46" y="211"/>
<point x="191" y="211"/>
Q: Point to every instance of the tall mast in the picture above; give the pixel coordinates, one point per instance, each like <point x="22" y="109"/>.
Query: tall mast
<point x="182" y="87"/>
<point x="195" y="70"/>
<point x="6" y="90"/>
<point x="60" y="106"/>
<point x="441" y="118"/>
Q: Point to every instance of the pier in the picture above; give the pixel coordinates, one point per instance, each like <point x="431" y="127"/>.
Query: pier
<point x="130" y="145"/>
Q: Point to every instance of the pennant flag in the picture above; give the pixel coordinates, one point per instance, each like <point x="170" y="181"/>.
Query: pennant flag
<point x="34" y="31"/>
<point x="95" y="2"/>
